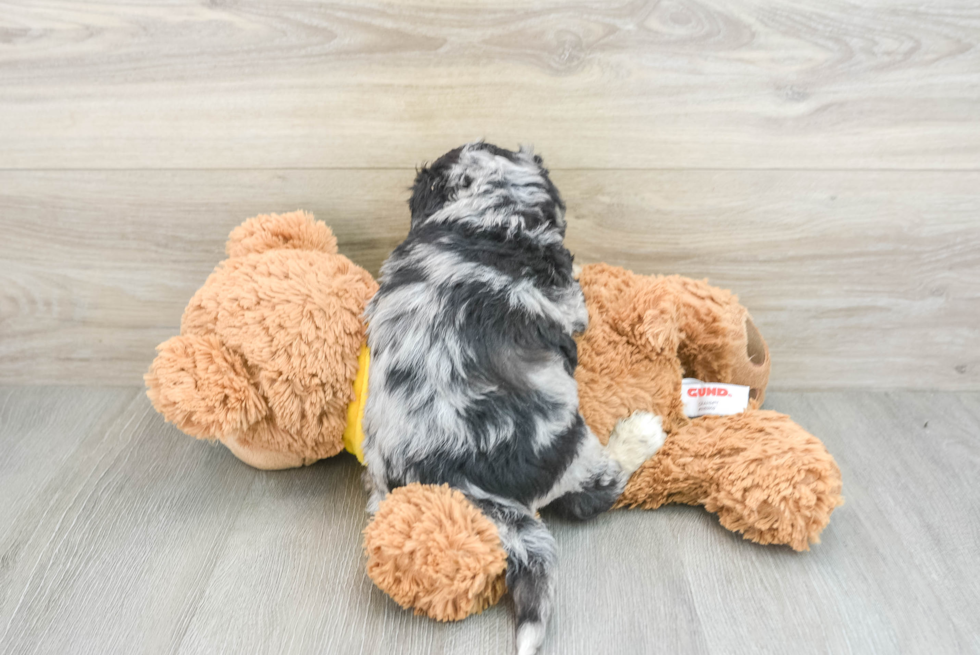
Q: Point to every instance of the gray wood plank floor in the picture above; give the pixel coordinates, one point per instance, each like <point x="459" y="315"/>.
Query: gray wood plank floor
<point x="120" y="535"/>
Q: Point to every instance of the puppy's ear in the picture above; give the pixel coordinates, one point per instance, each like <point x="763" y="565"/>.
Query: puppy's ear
<point x="428" y="194"/>
<point x="432" y="188"/>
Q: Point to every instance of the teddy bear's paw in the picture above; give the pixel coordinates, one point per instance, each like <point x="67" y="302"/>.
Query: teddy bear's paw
<point x="636" y="439"/>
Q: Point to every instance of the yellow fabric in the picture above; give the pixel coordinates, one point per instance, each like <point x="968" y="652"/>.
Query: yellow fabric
<point x="354" y="432"/>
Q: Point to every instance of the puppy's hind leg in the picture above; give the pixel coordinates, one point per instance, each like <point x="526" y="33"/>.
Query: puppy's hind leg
<point x="596" y="495"/>
<point x="600" y="473"/>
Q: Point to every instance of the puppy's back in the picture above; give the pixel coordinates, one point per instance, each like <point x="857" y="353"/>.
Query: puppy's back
<point x="471" y="332"/>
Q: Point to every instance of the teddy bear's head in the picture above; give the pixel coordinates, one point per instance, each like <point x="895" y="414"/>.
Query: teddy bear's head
<point x="268" y="347"/>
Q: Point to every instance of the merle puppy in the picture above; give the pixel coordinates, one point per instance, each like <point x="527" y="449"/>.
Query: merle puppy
<point x="471" y="380"/>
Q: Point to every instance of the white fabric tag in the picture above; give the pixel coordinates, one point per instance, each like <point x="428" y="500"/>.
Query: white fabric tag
<point x="713" y="398"/>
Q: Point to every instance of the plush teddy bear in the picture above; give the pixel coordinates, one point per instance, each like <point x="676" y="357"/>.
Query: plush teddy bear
<point x="272" y="362"/>
<point x="269" y="347"/>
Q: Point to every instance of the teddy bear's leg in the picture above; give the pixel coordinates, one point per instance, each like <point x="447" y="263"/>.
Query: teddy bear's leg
<point x="759" y="471"/>
<point x="432" y="550"/>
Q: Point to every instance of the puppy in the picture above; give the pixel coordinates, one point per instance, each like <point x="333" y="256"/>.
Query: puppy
<point x="472" y="362"/>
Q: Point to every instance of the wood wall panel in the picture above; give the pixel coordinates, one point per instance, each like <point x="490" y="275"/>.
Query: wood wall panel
<point x="595" y="84"/>
<point x="855" y="278"/>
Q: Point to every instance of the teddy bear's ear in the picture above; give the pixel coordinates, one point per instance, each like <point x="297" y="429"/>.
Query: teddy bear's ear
<point x="203" y="387"/>
<point x="295" y="230"/>
<point x="750" y="359"/>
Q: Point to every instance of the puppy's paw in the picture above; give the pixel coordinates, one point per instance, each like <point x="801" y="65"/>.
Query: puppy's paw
<point x="636" y="439"/>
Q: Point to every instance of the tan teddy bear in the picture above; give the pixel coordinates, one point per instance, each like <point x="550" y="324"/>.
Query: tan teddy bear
<point x="272" y="362"/>
<point x="268" y="347"/>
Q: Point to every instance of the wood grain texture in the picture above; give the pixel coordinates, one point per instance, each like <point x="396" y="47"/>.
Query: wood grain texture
<point x="42" y="432"/>
<point x="821" y="159"/>
<point x="855" y="278"/>
<point x="596" y="84"/>
<point x="136" y="538"/>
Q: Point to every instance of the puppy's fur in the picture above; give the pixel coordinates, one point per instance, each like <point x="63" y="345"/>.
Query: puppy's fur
<point x="471" y="379"/>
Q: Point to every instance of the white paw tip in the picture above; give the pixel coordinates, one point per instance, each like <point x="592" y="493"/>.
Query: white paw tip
<point x="650" y="426"/>
<point x="636" y="438"/>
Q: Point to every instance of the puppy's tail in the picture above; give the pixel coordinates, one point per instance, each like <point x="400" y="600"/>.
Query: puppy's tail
<point x="530" y="568"/>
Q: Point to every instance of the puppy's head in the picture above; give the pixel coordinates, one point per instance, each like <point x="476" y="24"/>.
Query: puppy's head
<point x="482" y="185"/>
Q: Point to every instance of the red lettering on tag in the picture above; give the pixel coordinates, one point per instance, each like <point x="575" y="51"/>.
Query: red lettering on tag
<point x="695" y="392"/>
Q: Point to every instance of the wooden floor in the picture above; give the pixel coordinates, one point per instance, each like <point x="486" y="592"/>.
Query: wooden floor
<point x="121" y="535"/>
